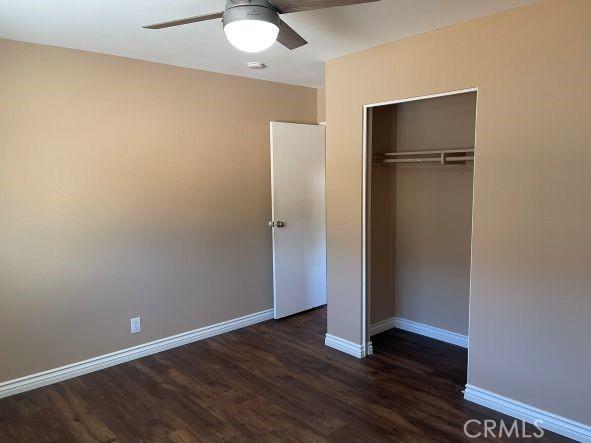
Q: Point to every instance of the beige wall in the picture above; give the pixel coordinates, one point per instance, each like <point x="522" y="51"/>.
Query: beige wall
<point x="321" y="104"/>
<point x="382" y="133"/>
<point x="421" y="216"/>
<point x="530" y="301"/>
<point x="129" y="188"/>
<point x="434" y="214"/>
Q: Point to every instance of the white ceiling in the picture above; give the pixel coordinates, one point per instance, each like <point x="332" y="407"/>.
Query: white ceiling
<point x="115" y="27"/>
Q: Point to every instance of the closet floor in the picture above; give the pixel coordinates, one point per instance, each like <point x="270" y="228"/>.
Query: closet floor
<point x="274" y="381"/>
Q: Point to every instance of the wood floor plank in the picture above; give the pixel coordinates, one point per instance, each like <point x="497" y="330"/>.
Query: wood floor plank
<point x="271" y="382"/>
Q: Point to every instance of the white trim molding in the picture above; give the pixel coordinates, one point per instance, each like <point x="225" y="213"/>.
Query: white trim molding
<point x="382" y="326"/>
<point x="545" y="420"/>
<point x="420" y="328"/>
<point x="346" y="346"/>
<point x="34" y="381"/>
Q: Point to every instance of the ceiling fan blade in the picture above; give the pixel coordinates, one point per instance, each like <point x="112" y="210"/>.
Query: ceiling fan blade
<point x="287" y="6"/>
<point x="185" y="21"/>
<point x="289" y="38"/>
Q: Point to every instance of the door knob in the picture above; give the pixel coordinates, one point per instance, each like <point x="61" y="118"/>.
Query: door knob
<point x="279" y="224"/>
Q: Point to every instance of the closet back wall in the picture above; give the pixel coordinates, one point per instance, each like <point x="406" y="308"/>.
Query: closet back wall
<point x="421" y="215"/>
<point x="434" y="214"/>
<point x="125" y="190"/>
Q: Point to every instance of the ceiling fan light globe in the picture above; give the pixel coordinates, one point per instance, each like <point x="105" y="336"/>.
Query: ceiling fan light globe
<point x="251" y="35"/>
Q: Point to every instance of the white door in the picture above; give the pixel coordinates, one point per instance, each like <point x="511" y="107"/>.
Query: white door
<point x="299" y="217"/>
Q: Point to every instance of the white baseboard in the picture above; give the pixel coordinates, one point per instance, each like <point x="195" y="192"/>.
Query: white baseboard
<point x="545" y="420"/>
<point x="420" y="328"/>
<point x="346" y="346"/>
<point x="51" y="376"/>
<point x="382" y="326"/>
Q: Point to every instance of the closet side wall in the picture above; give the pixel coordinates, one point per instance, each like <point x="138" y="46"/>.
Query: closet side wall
<point x="434" y="214"/>
<point x="383" y="215"/>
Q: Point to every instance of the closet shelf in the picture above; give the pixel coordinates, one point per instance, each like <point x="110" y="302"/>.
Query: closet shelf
<point x="442" y="157"/>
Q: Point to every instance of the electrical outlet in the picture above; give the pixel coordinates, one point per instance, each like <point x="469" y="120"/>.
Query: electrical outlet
<point x="136" y="325"/>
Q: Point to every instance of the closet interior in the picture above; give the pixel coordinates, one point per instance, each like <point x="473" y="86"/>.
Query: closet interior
<point x="419" y="217"/>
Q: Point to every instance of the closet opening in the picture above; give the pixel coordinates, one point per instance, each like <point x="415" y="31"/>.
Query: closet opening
<point x="418" y="177"/>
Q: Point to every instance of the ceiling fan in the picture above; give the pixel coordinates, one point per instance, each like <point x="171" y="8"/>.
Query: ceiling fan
<point x="254" y="25"/>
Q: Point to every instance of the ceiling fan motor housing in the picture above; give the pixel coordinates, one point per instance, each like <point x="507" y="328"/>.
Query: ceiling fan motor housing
<point x="250" y="10"/>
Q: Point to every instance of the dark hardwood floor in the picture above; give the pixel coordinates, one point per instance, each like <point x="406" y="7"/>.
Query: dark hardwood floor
<point x="274" y="381"/>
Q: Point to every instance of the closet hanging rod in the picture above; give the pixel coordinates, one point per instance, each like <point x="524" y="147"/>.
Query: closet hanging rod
<point x="443" y="157"/>
<point x="441" y="151"/>
<point x="463" y="158"/>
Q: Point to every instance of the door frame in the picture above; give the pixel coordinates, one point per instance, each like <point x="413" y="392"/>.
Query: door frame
<point x="273" y="257"/>
<point x="366" y="213"/>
